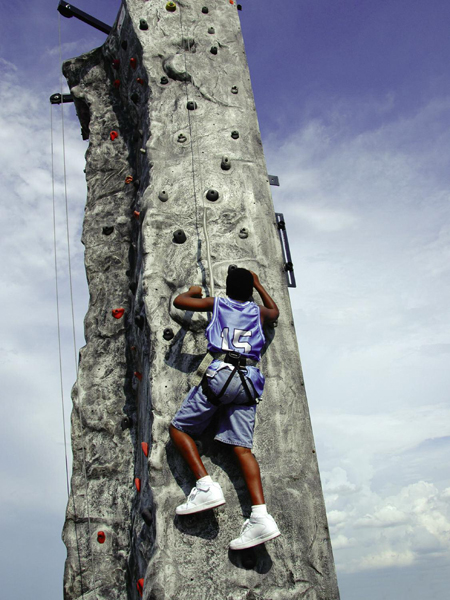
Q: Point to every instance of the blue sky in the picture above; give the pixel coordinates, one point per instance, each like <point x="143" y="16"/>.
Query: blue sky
<point x="353" y="99"/>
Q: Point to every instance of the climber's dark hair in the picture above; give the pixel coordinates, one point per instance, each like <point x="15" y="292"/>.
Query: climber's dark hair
<point x="239" y="284"/>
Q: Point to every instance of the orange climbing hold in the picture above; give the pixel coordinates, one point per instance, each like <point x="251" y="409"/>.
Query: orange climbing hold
<point x="118" y="313"/>
<point x="137" y="483"/>
<point x="140" y="81"/>
<point x="129" y="179"/>
<point x="133" y="63"/>
<point x="231" y="1"/>
<point x="116" y="63"/>
<point x="138" y="375"/>
<point x="113" y="135"/>
<point x="137" y="215"/>
<point x="116" y="83"/>
<point x="140" y="586"/>
<point x="144" y="446"/>
<point x="101" y="537"/>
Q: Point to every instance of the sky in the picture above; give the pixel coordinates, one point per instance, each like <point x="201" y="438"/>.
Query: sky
<point x="353" y="99"/>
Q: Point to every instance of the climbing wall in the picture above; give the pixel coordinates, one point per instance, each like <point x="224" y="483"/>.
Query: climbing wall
<point x="177" y="190"/>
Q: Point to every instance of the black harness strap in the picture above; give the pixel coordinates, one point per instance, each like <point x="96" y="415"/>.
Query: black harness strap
<point x="238" y="362"/>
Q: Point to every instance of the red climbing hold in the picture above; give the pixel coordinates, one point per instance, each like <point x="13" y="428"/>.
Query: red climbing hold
<point x="137" y="215"/>
<point x="113" y="135"/>
<point x="140" y="586"/>
<point x="101" y="537"/>
<point x="144" y="446"/>
<point x="138" y="375"/>
<point x="116" y="83"/>
<point x="118" y="313"/>
<point x="129" y="179"/>
<point x="231" y="1"/>
<point x="116" y="63"/>
<point x="133" y="63"/>
<point x="137" y="483"/>
<point x="133" y="348"/>
<point x="140" y="81"/>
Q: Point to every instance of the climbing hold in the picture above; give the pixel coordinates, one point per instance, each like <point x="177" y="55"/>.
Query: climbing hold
<point x="133" y="287"/>
<point x="107" y="230"/>
<point x="226" y="164"/>
<point x="135" y="97"/>
<point x="163" y="196"/>
<point x="289" y="266"/>
<point x="243" y="234"/>
<point x="282" y="225"/>
<point x="138" y="375"/>
<point x="144" y="447"/>
<point x="128" y="179"/>
<point x="191" y="105"/>
<point x="140" y="321"/>
<point x="137" y="483"/>
<point x="213" y="50"/>
<point x="235" y="135"/>
<point x="133" y="348"/>
<point x="164" y="80"/>
<point x="113" y="135"/>
<point x="232" y="268"/>
<point x="140" y="81"/>
<point x="179" y="237"/>
<point x="143" y="25"/>
<point x="231" y="1"/>
<point x="116" y="63"/>
<point x="143" y="151"/>
<point x="182" y="138"/>
<point x="234" y="89"/>
<point x="137" y="215"/>
<point x="133" y="63"/>
<point x="118" y="313"/>
<point x="140" y="586"/>
<point x="239" y="6"/>
<point x="171" y="6"/>
<point x="168" y="334"/>
<point x="212" y="195"/>
<point x="125" y="423"/>
<point x="116" y="83"/>
<point x="137" y="183"/>
<point x="124" y="44"/>
<point x="101" y="537"/>
<point x="205" y="10"/>
<point x="211" y="30"/>
<point x="147" y="516"/>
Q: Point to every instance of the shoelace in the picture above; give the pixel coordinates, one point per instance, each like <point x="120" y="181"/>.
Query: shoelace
<point x="192" y="495"/>
<point x="246" y="525"/>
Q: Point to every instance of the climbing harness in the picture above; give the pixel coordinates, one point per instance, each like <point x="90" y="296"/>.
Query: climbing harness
<point x="239" y="363"/>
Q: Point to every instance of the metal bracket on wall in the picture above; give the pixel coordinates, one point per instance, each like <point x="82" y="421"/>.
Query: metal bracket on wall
<point x="288" y="266"/>
<point x="56" y="98"/>
<point x="67" y="10"/>
<point x="273" y="180"/>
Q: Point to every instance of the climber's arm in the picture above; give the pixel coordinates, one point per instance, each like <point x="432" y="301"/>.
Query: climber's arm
<point x="192" y="300"/>
<point x="269" y="312"/>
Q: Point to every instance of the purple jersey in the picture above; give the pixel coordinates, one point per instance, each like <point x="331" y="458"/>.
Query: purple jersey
<point x="236" y="326"/>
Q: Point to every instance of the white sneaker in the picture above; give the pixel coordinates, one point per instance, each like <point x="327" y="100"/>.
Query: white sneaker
<point x="202" y="497"/>
<point x="255" y="531"/>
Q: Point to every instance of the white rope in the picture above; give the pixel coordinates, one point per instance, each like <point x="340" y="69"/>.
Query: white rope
<point x="191" y="121"/>
<point x="93" y="569"/>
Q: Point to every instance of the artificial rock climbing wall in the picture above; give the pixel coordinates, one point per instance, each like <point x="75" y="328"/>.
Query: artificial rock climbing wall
<point x="177" y="187"/>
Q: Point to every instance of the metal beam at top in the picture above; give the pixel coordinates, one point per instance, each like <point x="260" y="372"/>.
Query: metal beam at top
<point x="68" y="10"/>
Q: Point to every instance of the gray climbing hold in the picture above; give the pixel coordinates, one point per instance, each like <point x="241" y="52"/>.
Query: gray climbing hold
<point x="168" y="334"/>
<point x="191" y="105"/>
<point x="124" y="44"/>
<point x="133" y="287"/>
<point x="108" y="230"/>
<point x="234" y="89"/>
<point x="225" y="164"/>
<point x="147" y="515"/>
<point x="143" y="25"/>
<point x="205" y="10"/>
<point x="163" y="196"/>
<point x="135" y="97"/>
<point x="164" y="80"/>
<point x="182" y="138"/>
<point x="125" y="423"/>
<point x="212" y="195"/>
<point x="211" y="30"/>
<point x="140" y="322"/>
<point x="137" y="183"/>
<point x="235" y="135"/>
<point x="179" y="237"/>
<point x="243" y="234"/>
<point x="213" y="50"/>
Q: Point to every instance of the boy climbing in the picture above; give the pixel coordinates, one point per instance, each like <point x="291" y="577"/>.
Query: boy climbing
<point x="233" y="384"/>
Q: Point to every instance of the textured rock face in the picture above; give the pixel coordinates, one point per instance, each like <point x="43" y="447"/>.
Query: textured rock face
<point x="174" y="93"/>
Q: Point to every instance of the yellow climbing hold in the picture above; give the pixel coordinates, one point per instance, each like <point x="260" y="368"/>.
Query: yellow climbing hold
<point x="171" y="6"/>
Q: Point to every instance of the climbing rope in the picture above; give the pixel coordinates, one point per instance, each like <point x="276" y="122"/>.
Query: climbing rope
<point x="66" y="202"/>
<point x="191" y="121"/>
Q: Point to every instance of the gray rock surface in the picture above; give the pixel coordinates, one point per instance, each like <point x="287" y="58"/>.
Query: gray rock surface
<point x="129" y="370"/>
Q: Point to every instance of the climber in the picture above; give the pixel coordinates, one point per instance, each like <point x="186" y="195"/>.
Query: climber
<point x="233" y="383"/>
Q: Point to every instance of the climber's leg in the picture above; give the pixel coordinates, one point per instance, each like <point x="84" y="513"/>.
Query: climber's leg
<point x="251" y="473"/>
